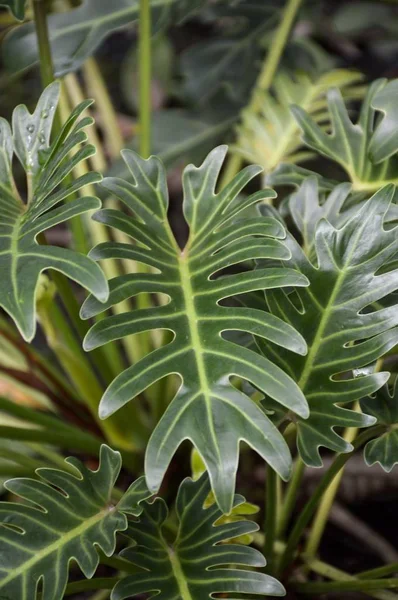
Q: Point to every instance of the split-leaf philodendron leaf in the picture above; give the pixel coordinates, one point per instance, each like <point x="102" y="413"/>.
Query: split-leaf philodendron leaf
<point x="383" y="449"/>
<point x="335" y="314"/>
<point x="357" y="147"/>
<point x="207" y="409"/>
<point x="274" y="135"/>
<point x="46" y="166"/>
<point x="198" y="563"/>
<point x="67" y="517"/>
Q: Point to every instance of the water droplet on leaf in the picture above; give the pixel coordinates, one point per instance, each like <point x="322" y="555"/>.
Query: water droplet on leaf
<point x="44" y="113"/>
<point x="30" y="128"/>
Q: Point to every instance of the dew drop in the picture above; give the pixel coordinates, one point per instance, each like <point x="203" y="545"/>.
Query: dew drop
<point x="42" y="138"/>
<point x="30" y="128"/>
<point x="44" y="114"/>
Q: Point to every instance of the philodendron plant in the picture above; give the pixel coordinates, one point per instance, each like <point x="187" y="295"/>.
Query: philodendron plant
<point x="272" y="328"/>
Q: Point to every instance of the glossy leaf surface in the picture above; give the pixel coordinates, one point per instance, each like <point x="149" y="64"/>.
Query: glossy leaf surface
<point x="46" y="166"/>
<point x="67" y="517"/>
<point x="357" y="147"/>
<point x="208" y="409"/>
<point x="335" y="314"/>
<point x="384" y="449"/>
<point x="198" y="564"/>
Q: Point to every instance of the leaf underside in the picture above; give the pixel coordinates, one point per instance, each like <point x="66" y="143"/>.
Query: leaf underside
<point x="207" y="409"/>
<point x="338" y="313"/>
<point x="46" y="166"/>
<point x="67" y="517"/>
<point x="198" y="564"/>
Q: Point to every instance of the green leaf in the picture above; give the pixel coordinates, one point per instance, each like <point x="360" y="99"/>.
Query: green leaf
<point x="273" y="135"/>
<point x="75" y="35"/>
<point x="352" y="145"/>
<point x="336" y="314"/>
<point x="384" y="142"/>
<point x="384" y="449"/>
<point x="67" y="517"/>
<point x="229" y="62"/>
<point x="201" y="356"/>
<point x="16" y="7"/>
<point x="198" y="564"/>
<point x="22" y="259"/>
<point x="178" y="135"/>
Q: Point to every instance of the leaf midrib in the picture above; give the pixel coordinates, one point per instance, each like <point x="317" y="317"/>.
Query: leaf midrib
<point x="62" y="541"/>
<point x="179" y="574"/>
<point x="188" y="295"/>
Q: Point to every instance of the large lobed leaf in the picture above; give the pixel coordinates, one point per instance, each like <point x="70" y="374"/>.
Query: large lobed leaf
<point x="198" y="563"/>
<point x="46" y="165"/>
<point x="207" y="409"/>
<point x="337" y="314"/>
<point x="76" y="34"/>
<point x="273" y="135"/>
<point x="66" y="518"/>
<point x="367" y="149"/>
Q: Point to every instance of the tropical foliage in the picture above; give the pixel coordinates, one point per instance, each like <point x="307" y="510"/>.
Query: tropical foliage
<point x="161" y="320"/>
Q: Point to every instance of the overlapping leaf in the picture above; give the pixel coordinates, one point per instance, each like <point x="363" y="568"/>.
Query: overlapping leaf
<point x="208" y="409"/>
<point x="383" y="449"/>
<point x="198" y="564"/>
<point x="273" y="135"/>
<point x="66" y="518"/>
<point x="362" y="149"/>
<point x="17" y="8"/>
<point x="22" y="259"/>
<point x="336" y="313"/>
<point x="76" y="34"/>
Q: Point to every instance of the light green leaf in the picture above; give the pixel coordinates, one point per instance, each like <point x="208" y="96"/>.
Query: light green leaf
<point x="352" y="145"/>
<point x="384" y="449"/>
<point x="273" y="135"/>
<point x="198" y="563"/>
<point x="16" y="7"/>
<point x="335" y="314"/>
<point x="22" y="259"/>
<point x="67" y="517"/>
<point x="384" y="142"/>
<point x="76" y="34"/>
<point x="199" y="353"/>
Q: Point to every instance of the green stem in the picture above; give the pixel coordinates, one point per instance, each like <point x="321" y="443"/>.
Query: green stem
<point x="22" y="460"/>
<point x="120" y="564"/>
<point x="98" y="583"/>
<point x="54" y="437"/>
<point x="145" y="69"/>
<point x="326" y="503"/>
<point x="265" y="79"/>
<point x="323" y="587"/>
<point x="270" y="517"/>
<point x="290" y="497"/>
<point x="323" y="485"/>
<point x="378" y="572"/>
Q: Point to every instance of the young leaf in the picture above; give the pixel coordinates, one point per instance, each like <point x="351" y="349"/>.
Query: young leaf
<point x="207" y="409"/>
<point x="198" y="565"/>
<point x="22" y="259"/>
<point x="384" y="449"/>
<point x="352" y="145"/>
<point x="66" y="518"/>
<point x="16" y="7"/>
<point x="337" y="317"/>
<point x="274" y="136"/>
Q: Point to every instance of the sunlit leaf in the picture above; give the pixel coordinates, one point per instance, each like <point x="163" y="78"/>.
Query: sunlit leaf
<point x="383" y="449"/>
